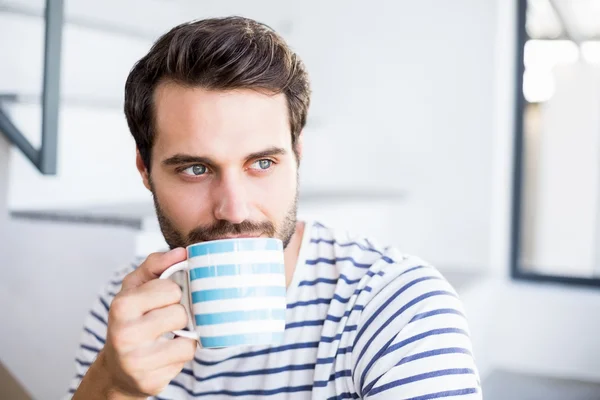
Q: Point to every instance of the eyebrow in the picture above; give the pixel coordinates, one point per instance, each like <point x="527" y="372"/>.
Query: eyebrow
<point x="180" y="159"/>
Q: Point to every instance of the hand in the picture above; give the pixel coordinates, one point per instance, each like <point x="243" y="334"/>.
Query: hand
<point x="136" y="360"/>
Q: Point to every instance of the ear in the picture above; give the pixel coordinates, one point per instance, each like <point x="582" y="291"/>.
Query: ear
<point x="142" y="169"/>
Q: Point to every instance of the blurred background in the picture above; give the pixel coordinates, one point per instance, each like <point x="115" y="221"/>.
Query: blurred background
<point x="463" y="131"/>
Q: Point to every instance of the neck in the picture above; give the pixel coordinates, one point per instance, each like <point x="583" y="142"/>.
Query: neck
<point x="290" y="254"/>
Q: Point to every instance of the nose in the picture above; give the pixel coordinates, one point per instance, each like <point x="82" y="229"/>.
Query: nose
<point x="230" y="199"/>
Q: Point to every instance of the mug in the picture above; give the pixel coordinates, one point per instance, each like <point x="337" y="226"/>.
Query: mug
<point x="236" y="292"/>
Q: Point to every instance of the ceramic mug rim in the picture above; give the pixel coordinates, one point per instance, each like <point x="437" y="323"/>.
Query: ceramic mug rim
<point x="240" y="239"/>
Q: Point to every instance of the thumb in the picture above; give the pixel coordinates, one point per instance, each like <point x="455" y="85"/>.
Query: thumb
<point x="153" y="267"/>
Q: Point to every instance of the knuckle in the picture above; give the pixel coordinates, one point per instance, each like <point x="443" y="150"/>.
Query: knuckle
<point x="173" y="290"/>
<point x="180" y="316"/>
<point x="154" y="258"/>
<point x="169" y="289"/>
<point x="128" y="365"/>
<point x="121" y="337"/>
<point x="127" y="280"/>
<point x="120" y="306"/>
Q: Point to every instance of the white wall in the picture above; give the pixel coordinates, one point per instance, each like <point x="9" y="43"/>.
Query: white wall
<point x="403" y="95"/>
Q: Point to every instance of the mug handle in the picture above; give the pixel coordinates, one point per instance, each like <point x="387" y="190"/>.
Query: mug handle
<point x="181" y="266"/>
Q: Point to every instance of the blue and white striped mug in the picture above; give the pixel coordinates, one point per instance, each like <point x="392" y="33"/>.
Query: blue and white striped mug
<point x="236" y="292"/>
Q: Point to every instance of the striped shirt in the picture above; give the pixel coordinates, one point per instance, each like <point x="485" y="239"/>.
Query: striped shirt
<point x="362" y="321"/>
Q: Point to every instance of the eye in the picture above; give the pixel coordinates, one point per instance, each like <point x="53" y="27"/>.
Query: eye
<point x="262" y="164"/>
<point x="195" y="170"/>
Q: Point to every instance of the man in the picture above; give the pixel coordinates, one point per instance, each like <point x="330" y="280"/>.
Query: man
<point x="217" y="109"/>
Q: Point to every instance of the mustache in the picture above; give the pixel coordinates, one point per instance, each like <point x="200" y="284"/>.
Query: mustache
<point x="226" y="228"/>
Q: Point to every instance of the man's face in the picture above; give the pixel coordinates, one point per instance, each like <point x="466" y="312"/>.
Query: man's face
<point x="222" y="165"/>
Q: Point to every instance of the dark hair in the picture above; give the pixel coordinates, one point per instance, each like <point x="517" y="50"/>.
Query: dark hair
<point x="221" y="54"/>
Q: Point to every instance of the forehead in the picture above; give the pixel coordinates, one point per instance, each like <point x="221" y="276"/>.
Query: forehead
<point x="220" y="124"/>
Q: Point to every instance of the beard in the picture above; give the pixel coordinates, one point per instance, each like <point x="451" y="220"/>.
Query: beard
<point x="175" y="238"/>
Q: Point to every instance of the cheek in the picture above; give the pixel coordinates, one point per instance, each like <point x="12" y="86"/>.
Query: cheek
<point x="187" y="205"/>
<point x="275" y="194"/>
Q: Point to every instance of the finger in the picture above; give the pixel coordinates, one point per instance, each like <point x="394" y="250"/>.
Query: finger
<point x="153" y="266"/>
<point x="134" y="303"/>
<point x="160" y="321"/>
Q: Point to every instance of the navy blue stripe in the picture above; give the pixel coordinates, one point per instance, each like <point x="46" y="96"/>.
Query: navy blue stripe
<point x="320" y="280"/>
<point x="278" y="349"/>
<point x="449" y="393"/>
<point x="94" y="334"/>
<point x="420" y="377"/>
<point x="396" y="314"/>
<point x="104" y="303"/>
<point x="436" y="352"/>
<point x="343" y="277"/>
<point x="83" y="363"/>
<point x="357" y="307"/>
<point x="436" y="312"/>
<point x="388" y="301"/>
<point x="325" y="360"/>
<point x="433" y="332"/>
<point x="411" y="269"/>
<point x="420" y="336"/>
<point x="345" y="395"/>
<point x="333" y="242"/>
<point x="270" y="392"/>
<point x="330" y="339"/>
<point x="329" y="360"/>
<point x="333" y="377"/>
<point x="99" y="318"/>
<point x="337" y="319"/>
<point x="341" y="259"/>
<point x="419" y="356"/>
<point x="308" y="303"/>
<point x="301" y="324"/>
<point x="90" y="348"/>
<point x="267" y="371"/>
<point x="366" y="289"/>
<point x="327" y="318"/>
<point x="116" y="283"/>
<point x="371" y="244"/>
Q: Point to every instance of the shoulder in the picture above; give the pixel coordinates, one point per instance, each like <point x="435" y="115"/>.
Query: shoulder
<point x="390" y="277"/>
<point x="354" y="251"/>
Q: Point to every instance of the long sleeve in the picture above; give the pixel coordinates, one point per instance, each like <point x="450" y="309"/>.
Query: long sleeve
<point x="93" y="335"/>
